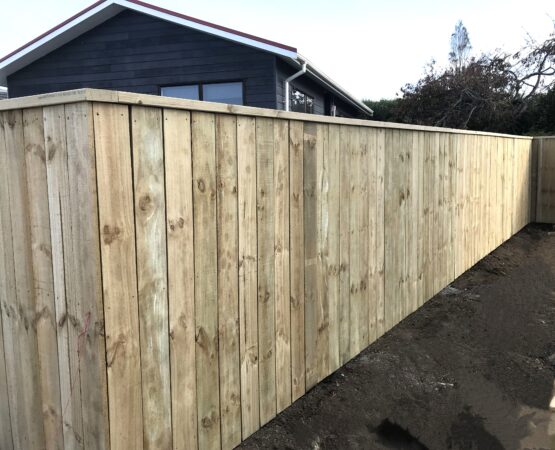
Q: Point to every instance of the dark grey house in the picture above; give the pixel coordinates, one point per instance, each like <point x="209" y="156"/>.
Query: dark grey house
<point x="133" y="46"/>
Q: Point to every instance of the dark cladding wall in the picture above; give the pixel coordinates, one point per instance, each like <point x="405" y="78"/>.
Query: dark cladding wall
<point x="310" y="87"/>
<point x="137" y="53"/>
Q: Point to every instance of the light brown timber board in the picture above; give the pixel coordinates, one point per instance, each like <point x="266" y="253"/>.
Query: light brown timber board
<point x="228" y="280"/>
<point x="282" y="280"/>
<point x="181" y="279"/>
<point x="266" y="268"/>
<point x="296" y="219"/>
<point x="248" y="296"/>
<point x="86" y="273"/>
<point x="46" y="325"/>
<point x="119" y="275"/>
<point x="150" y="236"/>
<point x="206" y="279"/>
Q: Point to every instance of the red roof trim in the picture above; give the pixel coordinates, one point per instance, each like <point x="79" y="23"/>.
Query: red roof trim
<point x="57" y="27"/>
<point x="212" y="25"/>
<point x="162" y="10"/>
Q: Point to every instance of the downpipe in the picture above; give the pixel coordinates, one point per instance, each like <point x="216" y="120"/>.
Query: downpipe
<point x="288" y="80"/>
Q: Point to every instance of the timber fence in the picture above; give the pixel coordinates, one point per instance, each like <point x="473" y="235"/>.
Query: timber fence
<point x="176" y="273"/>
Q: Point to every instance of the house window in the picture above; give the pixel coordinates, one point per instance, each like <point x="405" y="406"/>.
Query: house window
<point x="231" y="93"/>
<point x="301" y="102"/>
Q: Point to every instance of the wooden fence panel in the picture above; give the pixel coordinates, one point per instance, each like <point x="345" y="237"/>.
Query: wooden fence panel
<point x="546" y="181"/>
<point x="228" y="279"/>
<point x="18" y="303"/>
<point x="248" y="288"/>
<point x="66" y="299"/>
<point x="150" y="222"/>
<point x="37" y="186"/>
<point x="86" y="275"/>
<point x="181" y="276"/>
<point x="344" y="246"/>
<point x="330" y="227"/>
<point x="197" y="270"/>
<point x="9" y="389"/>
<point x="282" y="287"/>
<point x="119" y="274"/>
<point x="373" y="275"/>
<point x="206" y="278"/>
<point x="296" y="242"/>
<point x="266" y="267"/>
<point x="311" y="276"/>
<point x="321" y="305"/>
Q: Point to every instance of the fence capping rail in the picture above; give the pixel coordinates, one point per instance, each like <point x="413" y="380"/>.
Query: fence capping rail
<point x="129" y="98"/>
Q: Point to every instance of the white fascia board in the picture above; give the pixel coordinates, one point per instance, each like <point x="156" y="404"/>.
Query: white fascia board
<point x="332" y="85"/>
<point x="57" y="38"/>
<point x="207" y="29"/>
<point x="100" y="14"/>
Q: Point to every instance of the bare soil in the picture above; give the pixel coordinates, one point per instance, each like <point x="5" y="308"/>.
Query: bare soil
<point x="472" y="369"/>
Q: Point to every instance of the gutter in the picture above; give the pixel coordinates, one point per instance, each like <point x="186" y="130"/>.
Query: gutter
<point x="288" y="80"/>
<point x="330" y="84"/>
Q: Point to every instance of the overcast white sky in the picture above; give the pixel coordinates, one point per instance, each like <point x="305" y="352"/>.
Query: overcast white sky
<point x="371" y="48"/>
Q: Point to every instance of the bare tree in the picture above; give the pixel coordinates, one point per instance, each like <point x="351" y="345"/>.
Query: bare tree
<point x="460" y="47"/>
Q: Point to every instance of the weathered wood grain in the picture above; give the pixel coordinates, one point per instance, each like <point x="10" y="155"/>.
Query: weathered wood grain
<point x="312" y="280"/>
<point x="196" y="271"/>
<point x="150" y="236"/>
<point x="282" y="286"/>
<point x="46" y="325"/>
<point x="119" y="274"/>
<point x="228" y="280"/>
<point x="10" y="344"/>
<point x="67" y="299"/>
<point x="265" y="200"/>
<point x="344" y="245"/>
<point x="86" y="274"/>
<point x="330" y="226"/>
<point x="296" y="235"/>
<point x="206" y="279"/>
<point x="181" y="276"/>
<point x="248" y="288"/>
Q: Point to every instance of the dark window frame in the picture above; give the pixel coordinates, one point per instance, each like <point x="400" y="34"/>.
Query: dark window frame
<point x="306" y="96"/>
<point x="200" y="84"/>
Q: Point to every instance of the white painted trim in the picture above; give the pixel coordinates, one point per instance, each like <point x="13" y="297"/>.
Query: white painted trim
<point x="332" y="85"/>
<point x="207" y="29"/>
<point x="66" y="33"/>
<point x="103" y="12"/>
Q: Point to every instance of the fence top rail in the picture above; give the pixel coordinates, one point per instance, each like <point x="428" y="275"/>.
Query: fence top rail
<point x="128" y="98"/>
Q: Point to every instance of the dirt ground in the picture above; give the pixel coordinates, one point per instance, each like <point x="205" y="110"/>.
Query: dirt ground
<point x="472" y="369"/>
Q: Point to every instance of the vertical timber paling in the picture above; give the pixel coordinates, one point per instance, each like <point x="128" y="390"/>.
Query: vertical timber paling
<point x="188" y="273"/>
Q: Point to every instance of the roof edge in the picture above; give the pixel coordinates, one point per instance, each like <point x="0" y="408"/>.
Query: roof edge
<point x="104" y="9"/>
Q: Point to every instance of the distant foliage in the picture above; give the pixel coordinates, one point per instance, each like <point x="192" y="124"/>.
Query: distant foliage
<point x="502" y="92"/>
<point x="385" y="110"/>
<point x="460" y="47"/>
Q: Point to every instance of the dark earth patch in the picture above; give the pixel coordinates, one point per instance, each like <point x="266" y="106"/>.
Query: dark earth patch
<point x="472" y="369"/>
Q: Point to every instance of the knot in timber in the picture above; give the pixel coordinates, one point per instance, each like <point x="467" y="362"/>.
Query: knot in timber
<point x="179" y="223"/>
<point x="201" y="186"/>
<point x="144" y="202"/>
<point x="110" y="234"/>
<point x="265" y="297"/>
<point x="201" y="338"/>
<point x="207" y="422"/>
